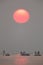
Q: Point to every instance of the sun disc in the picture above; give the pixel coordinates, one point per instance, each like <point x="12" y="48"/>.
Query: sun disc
<point x="21" y="16"/>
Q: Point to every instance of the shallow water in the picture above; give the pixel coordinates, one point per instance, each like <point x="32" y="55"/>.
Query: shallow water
<point x="21" y="60"/>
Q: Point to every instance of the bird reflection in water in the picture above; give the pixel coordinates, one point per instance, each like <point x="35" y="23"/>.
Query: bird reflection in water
<point x="20" y="60"/>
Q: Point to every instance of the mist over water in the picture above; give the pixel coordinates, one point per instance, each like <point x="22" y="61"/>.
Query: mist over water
<point x="21" y="60"/>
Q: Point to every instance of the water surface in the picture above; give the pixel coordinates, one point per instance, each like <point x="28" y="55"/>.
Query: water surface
<point x="21" y="60"/>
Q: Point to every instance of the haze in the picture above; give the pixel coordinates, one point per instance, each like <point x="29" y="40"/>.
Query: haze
<point x="16" y="37"/>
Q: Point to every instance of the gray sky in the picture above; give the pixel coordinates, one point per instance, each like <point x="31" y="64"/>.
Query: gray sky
<point x="15" y="37"/>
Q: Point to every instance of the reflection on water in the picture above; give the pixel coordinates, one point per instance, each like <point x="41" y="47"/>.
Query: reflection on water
<point x="21" y="60"/>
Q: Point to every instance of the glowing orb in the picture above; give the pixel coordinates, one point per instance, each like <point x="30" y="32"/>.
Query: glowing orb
<point x="21" y="16"/>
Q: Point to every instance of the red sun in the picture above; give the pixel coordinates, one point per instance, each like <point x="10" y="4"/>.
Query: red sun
<point x="21" y="16"/>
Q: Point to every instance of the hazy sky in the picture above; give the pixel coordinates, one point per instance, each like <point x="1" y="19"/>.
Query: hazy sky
<point x="16" y="37"/>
